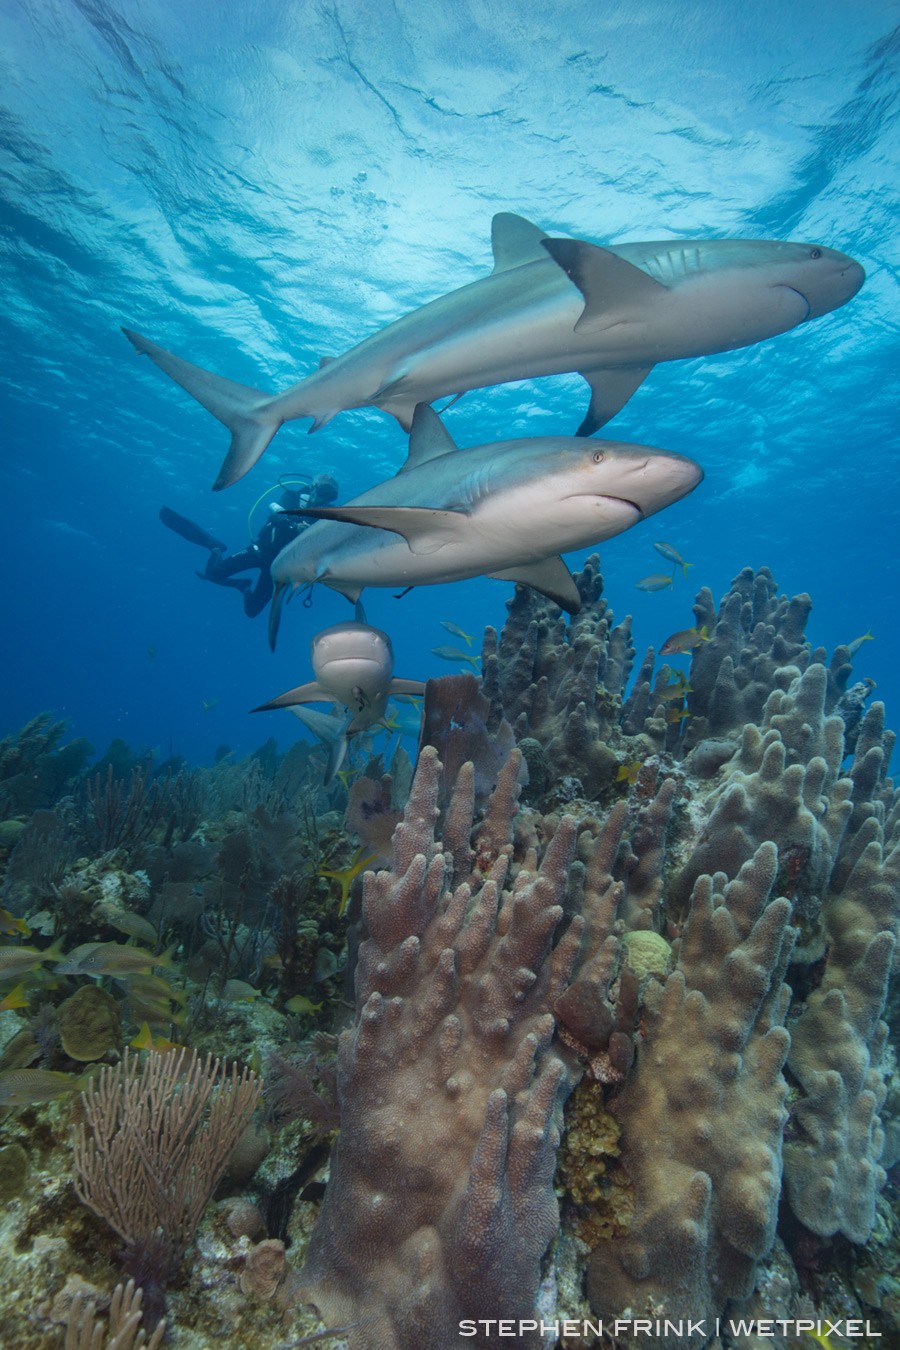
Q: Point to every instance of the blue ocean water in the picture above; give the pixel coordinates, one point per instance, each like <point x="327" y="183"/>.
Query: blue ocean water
<point x="257" y="185"/>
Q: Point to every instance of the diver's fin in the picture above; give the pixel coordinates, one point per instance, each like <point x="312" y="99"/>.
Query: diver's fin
<point x="311" y="692"/>
<point x="188" y="529"/>
<point x="240" y="408"/>
<point x="609" y="284"/>
<point x="332" y="732"/>
<point x="515" y="241"/>
<point x="551" y="577"/>
<point x="278" y="598"/>
<point x="611" y="388"/>
<point x="428" y="438"/>
<point x="399" y="686"/>
<point x="424" y="528"/>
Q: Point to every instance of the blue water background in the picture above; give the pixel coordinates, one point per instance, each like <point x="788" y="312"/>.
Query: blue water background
<point x="258" y="185"/>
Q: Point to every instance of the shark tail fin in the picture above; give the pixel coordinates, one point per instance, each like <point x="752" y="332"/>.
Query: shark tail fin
<point x="244" y="411"/>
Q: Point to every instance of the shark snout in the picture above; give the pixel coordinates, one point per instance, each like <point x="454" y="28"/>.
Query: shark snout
<point x="655" y="481"/>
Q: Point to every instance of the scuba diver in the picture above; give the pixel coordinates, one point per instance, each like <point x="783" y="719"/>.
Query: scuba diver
<point x="277" y="531"/>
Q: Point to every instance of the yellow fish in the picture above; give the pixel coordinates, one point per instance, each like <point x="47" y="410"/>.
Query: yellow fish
<point x="673" y="692"/>
<point x="673" y="556"/>
<point x="30" y="1087"/>
<point x="628" y="772"/>
<point x="456" y="654"/>
<point x="677" y="715"/>
<point x="10" y="924"/>
<point x="347" y="875"/>
<point x="18" y="961"/>
<point x="684" y="641"/>
<point x="455" y="629"/>
<point x="301" y="1004"/>
<point x="16" y="998"/>
<point x="854" y="646"/>
<point x="656" y="582"/>
<point x="115" y="959"/>
<point x="239" y="991"/>
<point x="156" y="1045"/>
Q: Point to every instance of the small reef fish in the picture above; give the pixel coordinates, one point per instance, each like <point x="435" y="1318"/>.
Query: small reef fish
<point x="302" y="1005"/>
<point x="456" y="654"/>
<point x="353" y="664"/>
<point x="506" y="510"/>
<point x="18" y="961"/>
<point x="549" y="306"/>
<point x="628" y="772"/>
<point x="677" y="715"/>
<point x="114" y="959"/>
<point x="209" y="704"/>
<point x="239" y="991"/>
<point x="672" y="555"/>
<point x="151" y="653"/>
<point x="684" y="641"/>
<point x="156" y="1045"/>
<point x="16" y="998"/>
<point x="656" y="582"/>
<point x="674" y="692"/>
<point x="10" y="924"/>
<point x="31" y="1087"/>
<point x="347" y="875"/>
<point x="854" y="646"/>
<point x="455" y="629"/>
<point x="135" y="925"/>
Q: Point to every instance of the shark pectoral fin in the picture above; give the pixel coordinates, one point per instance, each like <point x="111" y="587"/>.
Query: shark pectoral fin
<point x="399" y="686"/>
<point x="611" y="388"/>
<point x="610" y="285"/>
<point x="424" y="528"/>
<point x="312" y="692"/>
<point x="428" y="438"/>
<point x="241" y="409"/>
<point x="515" y="241"/>
<point x="551" y="577"/>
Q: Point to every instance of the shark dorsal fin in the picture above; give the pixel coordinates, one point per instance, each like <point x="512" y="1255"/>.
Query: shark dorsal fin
<point x="325" y="361"/>
<point x="515" y="241"/>
<point x="428" y="438"/>
<point x="609" y="284"/>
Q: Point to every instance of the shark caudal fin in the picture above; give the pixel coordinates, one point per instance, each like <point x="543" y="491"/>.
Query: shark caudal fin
<point x="241" y="409"/>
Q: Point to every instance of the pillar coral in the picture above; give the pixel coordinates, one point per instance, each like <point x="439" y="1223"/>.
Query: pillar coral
<point x="440" y="1204"/>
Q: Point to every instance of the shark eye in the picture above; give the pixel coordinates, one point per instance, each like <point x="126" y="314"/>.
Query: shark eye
<point x="597" y="456"/>
<point x="815" y="253"/>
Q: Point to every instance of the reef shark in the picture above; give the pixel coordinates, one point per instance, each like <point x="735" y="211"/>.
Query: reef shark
<point x="353" y="664"/>
<point x="506" y="510"/>
<point x="549" y="306"/>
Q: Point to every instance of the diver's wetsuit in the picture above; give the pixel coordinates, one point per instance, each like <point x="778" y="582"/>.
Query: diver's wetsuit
<point x="279" y="529"/>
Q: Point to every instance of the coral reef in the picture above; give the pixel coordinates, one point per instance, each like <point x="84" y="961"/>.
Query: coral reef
<point x="645" y="937"/>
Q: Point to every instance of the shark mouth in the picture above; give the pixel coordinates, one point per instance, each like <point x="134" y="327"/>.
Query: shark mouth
<point x="600" y="497"/>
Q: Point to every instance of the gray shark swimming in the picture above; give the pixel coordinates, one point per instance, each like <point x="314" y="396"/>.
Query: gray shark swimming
<point x="506" y="510"/>
<point x="549" y="306"/>
<point x="353" y="664"/>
